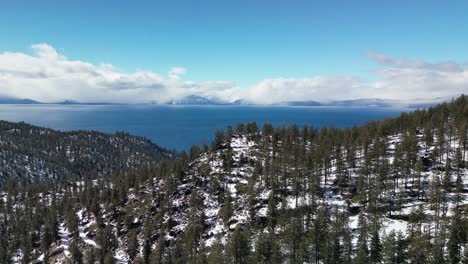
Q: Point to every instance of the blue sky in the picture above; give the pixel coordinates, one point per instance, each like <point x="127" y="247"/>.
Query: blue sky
<point x="243" y="42"/>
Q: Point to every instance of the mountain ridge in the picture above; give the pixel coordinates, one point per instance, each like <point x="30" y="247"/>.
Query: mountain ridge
<point x="34" y="153"/>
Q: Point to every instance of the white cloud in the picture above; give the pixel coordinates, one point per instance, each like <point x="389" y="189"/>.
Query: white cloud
<point x="413" y="83"/>
<point x="176" y="72"/>
<point x="49" y="76"/>
<point x="43" y="50"/>
<point x="401" y="79"/>
<point x="321" y="88"/>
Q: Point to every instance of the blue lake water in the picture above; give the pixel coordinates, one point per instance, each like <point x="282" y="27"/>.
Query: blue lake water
<point x="179" y="127"/>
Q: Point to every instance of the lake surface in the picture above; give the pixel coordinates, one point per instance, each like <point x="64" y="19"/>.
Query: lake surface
<point x="179" y="127"/>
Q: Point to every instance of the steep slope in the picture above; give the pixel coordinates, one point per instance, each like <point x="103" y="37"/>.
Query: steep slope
<point x="31" y="153"/>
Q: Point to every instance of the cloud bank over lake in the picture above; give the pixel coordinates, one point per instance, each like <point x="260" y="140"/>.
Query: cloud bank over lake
<point x="49" y="76"/>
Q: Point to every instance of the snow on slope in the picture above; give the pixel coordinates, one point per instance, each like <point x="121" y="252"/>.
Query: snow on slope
<point x="245" y="153"/>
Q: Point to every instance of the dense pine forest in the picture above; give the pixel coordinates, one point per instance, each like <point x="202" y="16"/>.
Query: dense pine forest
<point x="391" y="191"/>
<point x="29" y="154"/>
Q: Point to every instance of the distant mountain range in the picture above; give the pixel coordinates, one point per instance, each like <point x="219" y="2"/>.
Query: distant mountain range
<point x="201" y="100"/>
<point x="8" y="100"/>
<point x="365" y="102"/>
<point x="197" y="100"/>
<point x="72" y="102"/>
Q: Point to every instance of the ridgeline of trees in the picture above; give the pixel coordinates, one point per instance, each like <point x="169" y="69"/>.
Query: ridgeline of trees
<point x="29" y="154"/>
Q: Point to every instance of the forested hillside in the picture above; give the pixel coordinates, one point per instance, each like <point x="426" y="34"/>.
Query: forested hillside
<point x="392" y="191"/>
<point x="30" y="154"/>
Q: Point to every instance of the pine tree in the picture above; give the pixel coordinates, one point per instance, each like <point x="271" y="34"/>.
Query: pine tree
<point x="91" y="257"/>
<point x="238" y="248"/>
<point x="318" y="231"/>
<point x="147" y="241"/>
<point x="109" y="258"/>
<point x="389" y="249"/>
<point x="76" y="255"/>
<point x="264" y="248"/>
<point x="294" y="231"/>
<point x="133" y="244"/>
<point x="362" y="256"/>
<point x="375" y="247"/>
<point x="158" y="254"/>
<point x="216" y="255"/>
<point x="419" y="249"/>
<point x="271" y="211"/>
<point x="419" y="184"/>
<point x="227" y="211"/>
<point x="457" y="237"/>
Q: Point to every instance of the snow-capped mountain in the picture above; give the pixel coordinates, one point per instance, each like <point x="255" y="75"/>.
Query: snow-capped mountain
<point x="197" y="100"/>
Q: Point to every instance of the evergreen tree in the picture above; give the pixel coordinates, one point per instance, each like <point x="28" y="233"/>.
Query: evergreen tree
<point x="76" y="255"/>
<point x="375" y="247"/>
<point x="238" y="248"/>
<point x="216" y="255"/>
<point x="362" y="256"/>
<point x="457" y="237"/>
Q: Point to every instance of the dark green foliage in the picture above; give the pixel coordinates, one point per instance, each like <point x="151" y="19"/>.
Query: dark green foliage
<point x="76" y="255"/>
<point x="267" y="249"/>
<point x="54" y="155"/>
<point x="238" y="249"/>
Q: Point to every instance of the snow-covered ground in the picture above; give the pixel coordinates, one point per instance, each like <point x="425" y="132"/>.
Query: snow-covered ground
<point x="210" y="169"/>
<point x="85" y="222"/>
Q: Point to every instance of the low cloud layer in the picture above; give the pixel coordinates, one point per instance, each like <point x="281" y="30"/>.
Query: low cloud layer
<point x="49" y="76"/>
